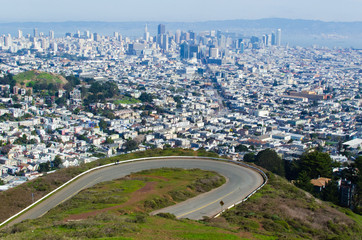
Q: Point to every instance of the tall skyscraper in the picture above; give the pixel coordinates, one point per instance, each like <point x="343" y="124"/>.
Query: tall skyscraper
<point x="51" y="34"/>
<point x="165" y="42"/>
<point x="96" y="37"/>
<point x="273" y="40"/>
<point x="184" y="50"/>
<point x="269" y="40"/>
<point x="35" y="32"/>
<point x="20" y="34"/>
<point x="279" y="37"/>
<point x="161" y="29"/>
<point x="241" y="47"/>
<point x="178" y="36"/>
<point x="87" y="34"/>
<point x="7" y="41"/>
<point x="146" y="35"/>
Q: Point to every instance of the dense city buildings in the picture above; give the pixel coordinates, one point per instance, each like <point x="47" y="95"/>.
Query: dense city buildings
<point x="208" y="90"/>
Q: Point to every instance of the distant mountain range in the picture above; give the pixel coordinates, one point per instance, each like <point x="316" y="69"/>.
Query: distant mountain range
<point x="294" y="32"/>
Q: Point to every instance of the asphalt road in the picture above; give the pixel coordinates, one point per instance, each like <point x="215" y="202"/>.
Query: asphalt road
<point x="240" y="182"/>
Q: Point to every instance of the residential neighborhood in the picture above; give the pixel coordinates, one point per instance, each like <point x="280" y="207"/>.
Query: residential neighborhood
<point x="208" y="90"/>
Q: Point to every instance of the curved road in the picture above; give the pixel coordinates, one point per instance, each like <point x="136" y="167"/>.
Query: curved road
<point x="241" y="182"/>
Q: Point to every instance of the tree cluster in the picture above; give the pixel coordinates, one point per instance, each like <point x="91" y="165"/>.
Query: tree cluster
<point x="48" y="166"/>
<point x="146" y="97"/>
<point x="8" y="79"/>
<point x="270" y="160"/>
<point x="130" y="145"/>
<point x="98" y="92"/>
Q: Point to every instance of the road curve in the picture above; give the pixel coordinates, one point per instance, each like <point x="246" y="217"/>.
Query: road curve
<point x="241" y="182"/>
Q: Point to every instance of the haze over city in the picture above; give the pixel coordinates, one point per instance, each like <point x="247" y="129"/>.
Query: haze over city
<point x="184" y="11"/>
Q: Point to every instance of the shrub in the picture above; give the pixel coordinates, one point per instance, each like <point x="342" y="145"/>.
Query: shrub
<point x="166" y="215"/>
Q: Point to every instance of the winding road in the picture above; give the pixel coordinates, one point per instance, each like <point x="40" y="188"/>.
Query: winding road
<point x="241" y="181"/>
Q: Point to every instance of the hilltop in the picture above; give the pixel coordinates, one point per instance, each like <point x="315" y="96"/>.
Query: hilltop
<point x="39" y="79"/>
<point x="278" y="211"/>
<point x="16" y="199"/>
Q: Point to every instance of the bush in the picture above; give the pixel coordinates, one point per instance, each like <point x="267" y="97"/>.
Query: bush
<point x="180" y="195"/>
<point x="156" y="203"/>
<point x="166" y="215"/>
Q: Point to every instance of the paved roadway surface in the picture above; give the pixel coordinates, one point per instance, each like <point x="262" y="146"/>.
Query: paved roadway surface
<point x="240" y="182"/>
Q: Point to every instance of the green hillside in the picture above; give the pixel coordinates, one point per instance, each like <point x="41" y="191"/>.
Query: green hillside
<point x="34" y="77"/>
<point x="16" y="199"/>
<point x="278" y="211"/>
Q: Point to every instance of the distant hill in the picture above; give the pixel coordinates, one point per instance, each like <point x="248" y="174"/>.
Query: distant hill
<point x="36" y="78"/>
<point x="294" y="31"/>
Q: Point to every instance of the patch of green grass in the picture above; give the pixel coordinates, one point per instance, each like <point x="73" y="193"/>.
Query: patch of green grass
<point x="16" y="199"/>
<point x="36" y="76"/>
<point x="101" y="196"/>
<point x="180" y="229"/>
<point x="126" y="100"/>
<point x="122" y="221"/>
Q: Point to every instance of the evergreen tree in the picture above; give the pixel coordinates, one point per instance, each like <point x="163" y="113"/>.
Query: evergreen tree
<point x="249" y="157"/>
<point x="316" y="164"/>
<point x="303" y="182"/>
<point x="270" y="160"/>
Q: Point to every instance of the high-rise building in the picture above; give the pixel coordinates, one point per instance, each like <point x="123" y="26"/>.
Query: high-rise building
<point x="278" y="38"/>
<point x="7" y="41"/>
<point x="96" y="37"/>
<point x="161" y="29"/>
<point x="87" y="34"/>
<point x="274" y="41"/>
<point x="192" y="35"/>
<point x="241" y="46"/>
<point x="54" y="47"/>
<point x="213" y="52"/>
<point x="165" y="42"/>
<point x="20" y="34"/>
<point x="146" y="35"/>
<point x="184" y="50"/>
<point x="178" y="36"/>
<point x="268" y="40"/>
<point x="51" y="34"/>
<point x="194" y="51"/>
<point x="35" y="32"/>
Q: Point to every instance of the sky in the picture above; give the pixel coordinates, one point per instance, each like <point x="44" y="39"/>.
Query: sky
<point x="179" y="11"/>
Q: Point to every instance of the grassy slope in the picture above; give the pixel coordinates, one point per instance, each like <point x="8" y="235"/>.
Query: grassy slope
<point x="16" y="199"/>
<point x="36" y="76"/>
<point x="278" y="211"/>
<point x="283" y="211"/>
<point x="127" y="202"/>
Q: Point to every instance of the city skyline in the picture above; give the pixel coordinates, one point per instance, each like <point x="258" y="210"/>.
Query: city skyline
<point x="187" y="11"/>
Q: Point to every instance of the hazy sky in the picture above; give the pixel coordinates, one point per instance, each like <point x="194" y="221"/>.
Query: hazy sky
<point x="181" y="10"/>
